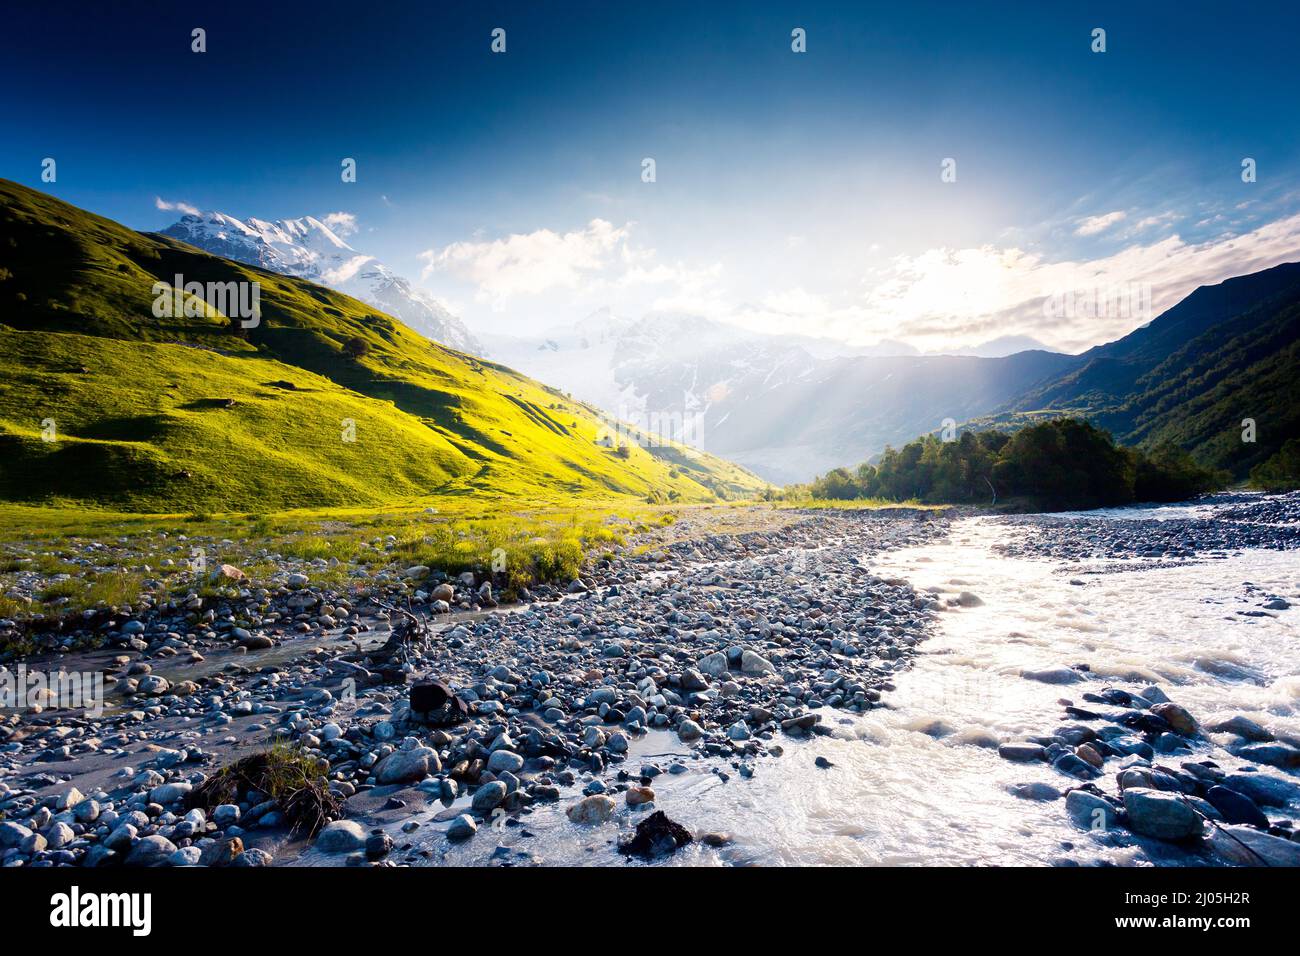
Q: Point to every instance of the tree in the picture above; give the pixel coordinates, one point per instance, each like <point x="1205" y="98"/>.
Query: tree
<point x="1281" y="472"/>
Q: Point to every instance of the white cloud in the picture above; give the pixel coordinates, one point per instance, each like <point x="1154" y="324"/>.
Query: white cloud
<point x="1095" y="224"/>
<point x="342" y="224"/>
<point x="184" y="207"/>
<point x="1148" y="222"/>
<point x="944" y="298"/>
<point x="530" y="263"/>
<point x="937" y="299"/>
<point x="346" y="270"/>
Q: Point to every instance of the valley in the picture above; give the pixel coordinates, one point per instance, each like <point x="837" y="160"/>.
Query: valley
<point x="350" y="596"/>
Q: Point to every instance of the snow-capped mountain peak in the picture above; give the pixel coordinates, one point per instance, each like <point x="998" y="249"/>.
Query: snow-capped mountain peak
<point x="307" y="248"/>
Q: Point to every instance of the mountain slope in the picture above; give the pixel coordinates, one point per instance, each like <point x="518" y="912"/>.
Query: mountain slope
<point x="782" y="405"/>
<point x="309" y="249"/>
<point x="849" y="410"/>
<point x="195" y="411"/>
<point x="1224" y="354"/>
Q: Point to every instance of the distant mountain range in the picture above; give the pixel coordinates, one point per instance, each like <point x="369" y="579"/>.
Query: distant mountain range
<point x="309" y="249"/>
<point x="791" y="407"/>
<point x="785" y="406"/>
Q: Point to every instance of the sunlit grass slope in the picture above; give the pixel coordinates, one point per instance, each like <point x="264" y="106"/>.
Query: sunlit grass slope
<point x="165" y="414"/>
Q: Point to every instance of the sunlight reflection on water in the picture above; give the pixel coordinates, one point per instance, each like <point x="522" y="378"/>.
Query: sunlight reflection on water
<point x="920" y="782"/>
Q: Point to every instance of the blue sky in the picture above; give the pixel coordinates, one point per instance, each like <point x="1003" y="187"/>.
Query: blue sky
<point x="793" y="191"/>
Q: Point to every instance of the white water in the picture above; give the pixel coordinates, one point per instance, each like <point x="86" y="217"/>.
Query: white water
<point x="920" y="782"/>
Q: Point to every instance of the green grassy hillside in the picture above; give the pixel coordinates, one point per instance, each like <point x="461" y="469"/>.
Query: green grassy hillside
<point x="161" y="414"/>
<point x="1190" y="377"/>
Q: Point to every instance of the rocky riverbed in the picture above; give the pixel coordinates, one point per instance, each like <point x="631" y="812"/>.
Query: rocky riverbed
<point x="745" y="686"/>
<point x="1216" y="526"/>
<point x="730" y="641"/>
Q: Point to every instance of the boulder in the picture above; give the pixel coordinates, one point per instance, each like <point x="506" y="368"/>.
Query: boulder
<point x="488" y="797"/>
<point x="1053" y="675"/>
<point x="1246" y="846"/>
<point x="221" y="852"/>
<point x="715" y="664"/>
<point x="1022" y="753"/>
<point x="227" y="574"/>
<point x="406" y="766"/>
<point x="341" y="836"/>
<point x="151" y="851"/>
<point x="1178" y="718"/>
<point x="1265" y="789"/>
<point x="689" y="730"/>
<point x="636" y="796"/>
<point x="1243" y="727"/>
<point x="1236" y="807"/>
<point x="1276" y="755"/>
<point x="462" y="828"/>
<point x="1090" y="812"/>
<point x="591" y="810"/>
<point x="1156" y="813"/>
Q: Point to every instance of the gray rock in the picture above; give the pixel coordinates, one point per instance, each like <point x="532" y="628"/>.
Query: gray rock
<point x="591" y="810"/>
<point x="462" y="828"/>
<point x="1276" y="755"/>
<point x="1236" y="807"/>
<point x="505" y="760"/>
<point x="1035" y="791"/>
<point x="751" y="663"/>
<point x="153" y="685"/>
<point x="252" y="857"/>
<point x="341" y="836"/>
<point x="715" y="664"/>
<point x="1244" y="728"/>
<point x="151" y="851"/>
<point x="738" y="731"/>
<point x="693" y="680"/>
<point x="1075" y="766"/>
<point x="59" y="835"/>
<point x="121" y="838"/>
<point x="689" y="730"/>
<point x="1263" y="788"/>
<point x="406" y="766"/>
<point x="1022" y="753"/>
<point x="1246" y="846"/>
<point x="12" y="834"/>
<point x="1155" y="813"/>
<point x="1154" y="695"/>
<point x="1054" y="675"/>
<point x="1090" y="812"/>
<point x="169" y="793"/>
<point x="488" y="797"/>
<point x="185" y="856"/>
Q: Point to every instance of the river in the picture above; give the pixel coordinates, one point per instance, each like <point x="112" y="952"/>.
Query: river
<point x="919" y="781"/>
